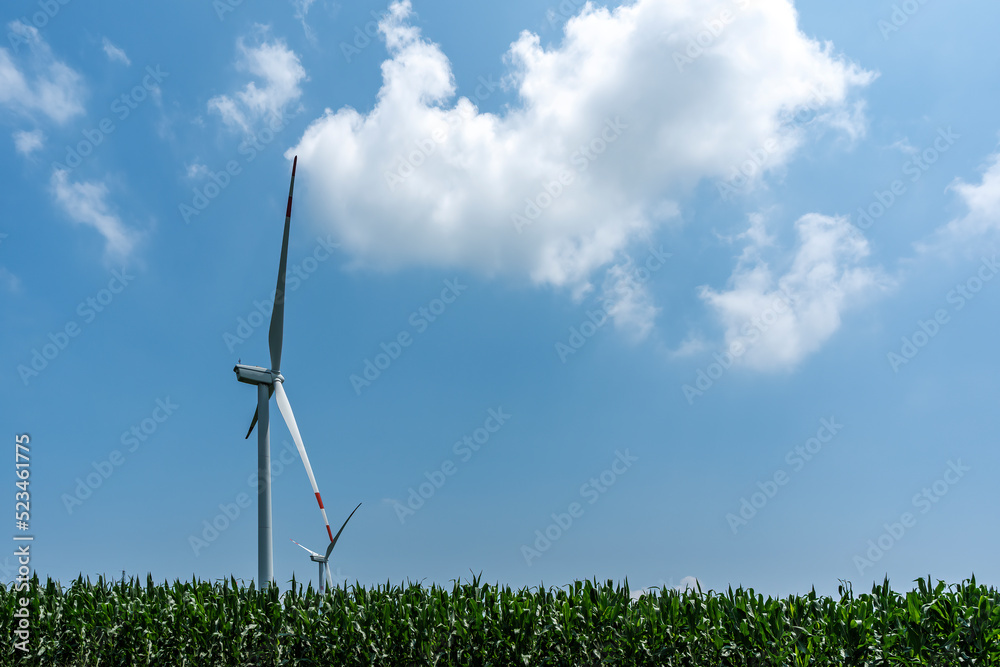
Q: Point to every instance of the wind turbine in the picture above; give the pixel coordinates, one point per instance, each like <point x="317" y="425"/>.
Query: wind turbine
<point x="269" y="381"/>
<point x="324" y="561"/>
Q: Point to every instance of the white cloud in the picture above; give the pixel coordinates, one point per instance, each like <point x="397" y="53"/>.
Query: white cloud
<point x="613" y="73"/>
<point x="86" y="203"/>
<point x="197" y="170"/>
<point x="631" y="306"/>
<point x="302" y="7"/>
<point x="690" y="346"/>
<point x="41" y="83"/>
<point x="301" y="11"/>
<point x="114" y="53"/>
<point x="281" y="71"/>
<point x="777" y="322"/>
<point x="27" y="143"/>
<point x="904" y="146"/>
<point x="9" y="281"/>
<point x="983" y="216"/>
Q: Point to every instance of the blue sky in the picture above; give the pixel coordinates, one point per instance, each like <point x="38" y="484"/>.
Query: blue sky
<point x="658" y="290"/>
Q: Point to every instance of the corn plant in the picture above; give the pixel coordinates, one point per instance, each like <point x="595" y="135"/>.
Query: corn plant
<point x="193" y="622"/>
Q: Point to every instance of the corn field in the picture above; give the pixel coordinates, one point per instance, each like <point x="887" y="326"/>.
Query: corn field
<point x="200" y="623"/>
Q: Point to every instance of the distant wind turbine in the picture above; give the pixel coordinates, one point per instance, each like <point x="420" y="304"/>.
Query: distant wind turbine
<point x="324" y="561"/>
<point x="269" y="381"/>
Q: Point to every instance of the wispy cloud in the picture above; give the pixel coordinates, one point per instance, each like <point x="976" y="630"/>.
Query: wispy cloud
<point x="86" y="203"/>
<point x="632" y="307"/>
<point x="301" y="11"/>
<point x="114" y="53"/>
<point x="826" y="276"/>
<point x="197" y="170"/>
<point x="982" y="217"/>
<point x="39" y="83"/>
<point x="8" y="281"/>
<point x="27" y="143"/>
<point x="281" y="71"/>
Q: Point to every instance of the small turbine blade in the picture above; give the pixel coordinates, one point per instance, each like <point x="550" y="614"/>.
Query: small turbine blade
<point x="308" y="549"/>
<point x="333" y="542"/>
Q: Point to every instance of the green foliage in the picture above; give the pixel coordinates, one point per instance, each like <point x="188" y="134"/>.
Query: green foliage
<point x="200" y="623"/>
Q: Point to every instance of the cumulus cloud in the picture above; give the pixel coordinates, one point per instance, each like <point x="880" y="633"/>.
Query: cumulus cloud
<point x="114" y="53"/>
<point x="39" y="83"/>
<point x="281" y="73"/>
<point x="606" y="135"/>
<point x="773" y="323"/>
<point x="982" y="217"/>
<point x="86" y="203"/>
<point x="27" y="143"/>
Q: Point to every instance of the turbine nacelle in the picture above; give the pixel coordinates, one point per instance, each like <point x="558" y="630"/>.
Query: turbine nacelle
<point x="257" y="375"/>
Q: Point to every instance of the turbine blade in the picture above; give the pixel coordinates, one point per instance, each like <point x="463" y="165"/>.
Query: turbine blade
<point x="333" y="542"/>
<point x="286" y="411"/>
<point x="329" y="576"/>
<point x="274" y="335"/>
<point x="308" y="549"/>
<point x="253" y="422"/>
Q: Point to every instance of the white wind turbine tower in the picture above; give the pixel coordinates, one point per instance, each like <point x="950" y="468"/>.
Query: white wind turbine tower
<point x="324" y="561"/>
<point x="268" y="381"/>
